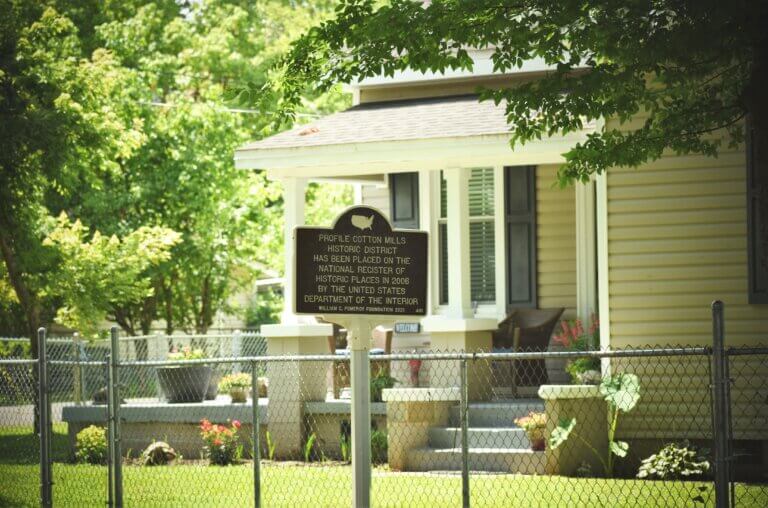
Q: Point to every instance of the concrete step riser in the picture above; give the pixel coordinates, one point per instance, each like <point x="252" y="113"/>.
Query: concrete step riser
<point x="500" y="462"/>
<point x="479" y="438"/>
<point x="496" y="416"/>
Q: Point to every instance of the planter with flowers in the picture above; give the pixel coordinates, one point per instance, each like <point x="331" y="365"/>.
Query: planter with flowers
<point x="573" y="337"/>
<point x="184" y="383"/>
<point x="221" y="443"/>
<point x="237" y="386"/>
<point x="535" y="424"/>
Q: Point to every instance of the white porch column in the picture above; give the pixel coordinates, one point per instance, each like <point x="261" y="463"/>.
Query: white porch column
<point x="586" y="255"/>
<point x="458" y="329"/>
<point x="457" y="194"/>
<point x="294" y="196"/>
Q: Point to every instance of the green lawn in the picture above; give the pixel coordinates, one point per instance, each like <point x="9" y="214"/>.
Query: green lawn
<point x="324" y="485"/>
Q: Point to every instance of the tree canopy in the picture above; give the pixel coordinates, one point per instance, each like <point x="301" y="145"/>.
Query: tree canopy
<point x="689" y="67"/>
<point x="114" y="114"/>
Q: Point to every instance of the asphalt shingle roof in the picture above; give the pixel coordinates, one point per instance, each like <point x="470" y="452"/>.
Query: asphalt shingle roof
<point x="394" y="121"/>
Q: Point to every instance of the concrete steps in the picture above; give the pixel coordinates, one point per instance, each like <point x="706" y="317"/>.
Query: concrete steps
<point x="500" y="460"/>
<point x="478" y="437"/>
<point x="495" y="443"/>
<point x="497" y="414"/>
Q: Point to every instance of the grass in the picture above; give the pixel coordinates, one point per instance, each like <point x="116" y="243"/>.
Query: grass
<point x="320" y="485"/>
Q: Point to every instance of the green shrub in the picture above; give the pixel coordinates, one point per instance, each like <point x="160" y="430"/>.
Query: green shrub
<point x="674" y="462"/>
<point x="91" y="445"/>
<point x="379" y="382"/>
<point x="378" y="447"/>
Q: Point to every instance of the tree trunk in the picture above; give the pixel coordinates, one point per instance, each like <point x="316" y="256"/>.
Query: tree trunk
<point x="27" y="299"/>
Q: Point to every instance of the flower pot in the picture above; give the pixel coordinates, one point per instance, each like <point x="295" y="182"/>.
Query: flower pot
<point x="213" y="386"/>
<point x="184" y="383"/>
<point x="536" y="437"/>
<point x="239" y="395"/>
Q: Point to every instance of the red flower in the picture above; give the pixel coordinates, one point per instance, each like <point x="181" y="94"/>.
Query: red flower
<point x="236" y="424"/>
<point x="217" y="442"/>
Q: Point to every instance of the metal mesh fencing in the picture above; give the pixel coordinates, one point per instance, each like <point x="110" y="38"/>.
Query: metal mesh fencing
<point x="19" y="444"/>
<point x="506" y="429"/>
<point x="748" y="373"/>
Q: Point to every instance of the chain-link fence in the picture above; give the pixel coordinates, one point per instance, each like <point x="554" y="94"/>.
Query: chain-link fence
<point x="447" y="429"/>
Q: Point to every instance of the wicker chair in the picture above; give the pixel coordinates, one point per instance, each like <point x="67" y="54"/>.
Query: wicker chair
<point x="525" y="330"/>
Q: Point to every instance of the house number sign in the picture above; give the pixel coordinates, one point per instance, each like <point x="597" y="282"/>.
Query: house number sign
<point x="361" y="266"/>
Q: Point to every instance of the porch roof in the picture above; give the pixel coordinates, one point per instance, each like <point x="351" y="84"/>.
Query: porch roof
<point x="410" y="135"/>
<point x="430" y="118"/>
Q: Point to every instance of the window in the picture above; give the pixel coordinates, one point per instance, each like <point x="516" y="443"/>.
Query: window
<point x="481" y="238"/>
<point x="404" y="200"/>
<point x="482" y="259"/>
<point x="520" y="219"/>
<point x="757" y="217"/>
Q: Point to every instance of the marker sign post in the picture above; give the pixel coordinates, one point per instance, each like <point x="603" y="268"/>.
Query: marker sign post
<point x="359" y="274"/>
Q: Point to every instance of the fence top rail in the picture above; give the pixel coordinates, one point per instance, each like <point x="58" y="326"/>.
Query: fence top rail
<point x="746" y="350"/>
<point x="84" y="363"/>
<point x="17" y="361"/>
<point x="533" y="355"/>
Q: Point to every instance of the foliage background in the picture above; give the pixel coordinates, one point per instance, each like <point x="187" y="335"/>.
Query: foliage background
<point x="119" y="196"/>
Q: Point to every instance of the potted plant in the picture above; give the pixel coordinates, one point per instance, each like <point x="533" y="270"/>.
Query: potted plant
<point x="379" y="382"/>
<point x="573" y="337"/>
<point x="237" y="386"/>
<point x="184" y="383"/>
<point x="534" y="425"/>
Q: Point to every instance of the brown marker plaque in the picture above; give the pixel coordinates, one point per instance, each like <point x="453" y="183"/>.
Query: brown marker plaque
<point x="361" y="266"/>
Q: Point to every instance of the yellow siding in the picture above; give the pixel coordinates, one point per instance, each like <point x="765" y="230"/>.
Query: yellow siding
<point x="556" y="216"/>
<point x="676" y="242"/>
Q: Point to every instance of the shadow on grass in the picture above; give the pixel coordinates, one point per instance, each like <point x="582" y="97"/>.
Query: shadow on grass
<point x="20" y="445"/>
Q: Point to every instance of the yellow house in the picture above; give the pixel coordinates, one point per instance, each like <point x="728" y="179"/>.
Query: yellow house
<point x="648" y="249"/>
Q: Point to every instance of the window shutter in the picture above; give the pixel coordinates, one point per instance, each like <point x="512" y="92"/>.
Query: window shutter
<point x="757" y="215"/>
<point x="404" y="200"/>
<point x="520" y="187"/>
<point x="443" y="261"/>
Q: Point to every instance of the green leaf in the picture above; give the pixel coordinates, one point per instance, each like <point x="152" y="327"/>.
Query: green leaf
<point x="619" y="448"/>
<point x="622" y="391"/>
<point x="560" y="434"/>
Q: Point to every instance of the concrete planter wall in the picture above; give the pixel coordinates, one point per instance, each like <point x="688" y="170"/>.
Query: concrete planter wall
<point x="587" y="405"/>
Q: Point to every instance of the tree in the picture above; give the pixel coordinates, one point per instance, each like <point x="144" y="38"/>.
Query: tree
<point x="99" y="275"/>
<point x="692" y="67"/>
<point x="59" y="124"/>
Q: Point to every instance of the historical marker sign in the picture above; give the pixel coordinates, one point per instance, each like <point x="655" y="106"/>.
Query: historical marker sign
<point x="361" y="266"/>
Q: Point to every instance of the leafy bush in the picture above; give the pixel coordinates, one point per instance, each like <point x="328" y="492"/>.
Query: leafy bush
<point x="15" y="349"/>
<point x="239" y="380"/>
<point x="379" y="382"/>
<point x="674" y="462"/>
<point x="379" y="447"/>
<point x="159" y="453"/>
<point x="221" y="445"/>
<point x="91" y="445"/>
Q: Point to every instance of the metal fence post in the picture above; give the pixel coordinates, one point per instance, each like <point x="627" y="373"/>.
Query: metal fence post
<point x="255" y="435"/>
<point x="464" y="412"/>
<point x="720" y="407"/>
<point x="77" y="378"/>
<point x="44" y="412"/>
<point x="115" y="455"/>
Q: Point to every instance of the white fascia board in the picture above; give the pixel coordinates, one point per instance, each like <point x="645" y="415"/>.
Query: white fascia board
<point x="483" y="66"/>
<point x="405" y="155"/>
